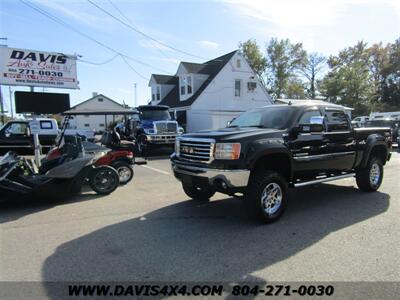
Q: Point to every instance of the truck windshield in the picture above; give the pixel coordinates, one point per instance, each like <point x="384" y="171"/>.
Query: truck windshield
<point x="155" y="115"/>
<point x="277" y="117"/>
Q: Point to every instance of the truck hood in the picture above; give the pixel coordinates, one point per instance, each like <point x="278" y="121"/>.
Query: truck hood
<point x="234" y="133"/>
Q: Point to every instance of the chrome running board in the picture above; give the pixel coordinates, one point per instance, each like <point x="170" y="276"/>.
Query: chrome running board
<point x="326" y="179"/>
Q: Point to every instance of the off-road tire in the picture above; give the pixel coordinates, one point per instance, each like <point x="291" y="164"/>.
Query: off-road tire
<point x="202" y="193"/>
<point x="364" y="176"/>
<point x="260" y="181"/>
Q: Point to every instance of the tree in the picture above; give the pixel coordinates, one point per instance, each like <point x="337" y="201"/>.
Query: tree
<point x="311" y="68"/>
<point x="349" y="81"/>
<point x="251" y="51"/>
<point x="284" y="60"/>
<point x="390" y="78"/>
<point x="295" y="89"/>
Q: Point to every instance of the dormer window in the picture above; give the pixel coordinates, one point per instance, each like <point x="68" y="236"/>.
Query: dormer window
<point x="189" y="84"/>
<point x="182" y="83"/>
<point x="186" y="85"/>
<point x="156" y="95"/>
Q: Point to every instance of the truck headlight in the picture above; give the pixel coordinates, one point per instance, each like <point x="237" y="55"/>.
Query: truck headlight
<point x="149" y="131"/>
<point x="177" y="147"/>
<point x="227" y="150"/>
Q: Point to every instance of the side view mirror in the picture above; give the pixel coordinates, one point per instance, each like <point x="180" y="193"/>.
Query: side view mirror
<point x="316" y="125"/>
<point x="7" y="134"/>
<point x="229" y="122"/>
<point x="310" y="128"/>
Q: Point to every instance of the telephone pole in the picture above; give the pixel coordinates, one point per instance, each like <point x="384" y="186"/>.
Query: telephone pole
<point x="1" y="106"/>
<point x="11" y="102"/>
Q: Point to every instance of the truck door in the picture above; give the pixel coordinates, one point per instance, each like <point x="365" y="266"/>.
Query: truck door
<point x="309" y="149"/>
<point x="340" y="140"/>
<point x="15" y="136"/>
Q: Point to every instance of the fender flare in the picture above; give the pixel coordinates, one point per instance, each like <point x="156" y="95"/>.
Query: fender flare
<point x="372" y="141"/>
<point x="268" y="150"/>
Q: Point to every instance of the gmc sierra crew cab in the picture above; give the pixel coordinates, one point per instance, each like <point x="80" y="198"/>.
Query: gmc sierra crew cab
<point x="266" y="150"/>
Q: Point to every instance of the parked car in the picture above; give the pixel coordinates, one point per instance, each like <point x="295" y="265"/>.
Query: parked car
<point x="386" y="123"/>
<point x="264" y="151"/>
<point x="359" y="121"/>
<point x="17" y="136"/>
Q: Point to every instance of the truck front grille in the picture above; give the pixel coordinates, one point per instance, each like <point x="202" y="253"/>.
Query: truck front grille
<point x="166" y="127"/>
<point x="200" y="150"/>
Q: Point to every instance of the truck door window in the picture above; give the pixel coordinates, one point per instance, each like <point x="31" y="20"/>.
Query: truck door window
<point x="17" y="128"/>
<point x="337" y="121"/>
<point x="307" y="115"/>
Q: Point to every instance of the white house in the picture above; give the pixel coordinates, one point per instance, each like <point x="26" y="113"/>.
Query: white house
<point x="95" y="122"/>
<point x="208" y="95"/>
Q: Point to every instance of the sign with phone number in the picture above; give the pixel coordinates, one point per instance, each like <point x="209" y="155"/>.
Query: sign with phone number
<point x="37" y="68"/>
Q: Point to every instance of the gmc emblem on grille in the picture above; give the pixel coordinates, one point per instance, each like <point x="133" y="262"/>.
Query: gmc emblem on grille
<point x="187" y="149"/>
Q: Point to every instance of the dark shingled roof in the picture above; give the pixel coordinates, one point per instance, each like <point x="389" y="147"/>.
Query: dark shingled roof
<point x="165" y="79"/>
<point x="192" y="67"/>
<point x="210" y="68"/>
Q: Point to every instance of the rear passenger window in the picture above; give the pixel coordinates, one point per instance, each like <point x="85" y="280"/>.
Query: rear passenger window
<point x="46" y="125"/>
<point x="306" y="117"/>
<point x="337" y="120"/>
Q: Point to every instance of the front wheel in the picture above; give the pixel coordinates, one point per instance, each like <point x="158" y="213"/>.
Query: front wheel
<point x="266" y="198"/>
<point x="370" y="178"/>
<point x="104" y="180"/>
<point x="198" y="192"/>
<point x="125" y="171"/>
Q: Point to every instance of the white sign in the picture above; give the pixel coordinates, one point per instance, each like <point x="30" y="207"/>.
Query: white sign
<point x="37" y="68"/>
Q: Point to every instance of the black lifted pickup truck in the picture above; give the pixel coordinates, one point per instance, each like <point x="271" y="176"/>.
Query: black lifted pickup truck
<point x="266" y="150"/>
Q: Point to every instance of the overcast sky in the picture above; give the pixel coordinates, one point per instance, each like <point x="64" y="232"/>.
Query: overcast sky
<point x="203" y="29"/>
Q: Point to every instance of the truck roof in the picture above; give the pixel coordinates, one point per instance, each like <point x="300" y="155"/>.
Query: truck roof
<point x="302" y="102"/>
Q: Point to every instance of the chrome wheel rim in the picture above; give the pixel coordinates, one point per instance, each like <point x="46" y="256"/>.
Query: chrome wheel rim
<point x="271" y="198"/>
<point x="124" y="174"/>
<point x="374" y="174"/>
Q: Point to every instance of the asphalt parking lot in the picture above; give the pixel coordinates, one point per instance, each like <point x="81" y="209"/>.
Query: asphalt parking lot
<point x="150" y="231"/>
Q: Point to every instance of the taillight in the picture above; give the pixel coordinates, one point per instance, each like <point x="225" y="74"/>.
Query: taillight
<point x="129" y="155"/>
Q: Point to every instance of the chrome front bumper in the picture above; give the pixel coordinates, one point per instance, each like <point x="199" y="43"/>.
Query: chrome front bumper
<point x="161" y="139"/>
<point x="232" y="178"/>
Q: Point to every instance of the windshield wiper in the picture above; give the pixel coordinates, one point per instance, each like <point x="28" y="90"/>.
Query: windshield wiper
<point x="232" y="126"/>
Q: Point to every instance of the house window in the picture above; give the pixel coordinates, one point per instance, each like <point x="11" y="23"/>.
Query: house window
<point x="238" y="63"/>
<point x="251" y="85"/>
<point x="100" y="99"/>
<point x="87" y="116"/>
<point x="189" y="84"/>
<point x="101" y="125"/>
<point x="87" y="125"/>
<point x="238" y="84"/>
<point x="153" y="97"/>
<point x="158" y="95"/>
<point x="182" y="83"/>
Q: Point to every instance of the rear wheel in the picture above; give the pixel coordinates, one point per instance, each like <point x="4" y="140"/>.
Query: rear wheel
<point x="104" y="180"/>
<point x="125" y="171"/>
<point x="370" y="178"/>
<point x="266" y="198"/>
<point x="198" y="192"/>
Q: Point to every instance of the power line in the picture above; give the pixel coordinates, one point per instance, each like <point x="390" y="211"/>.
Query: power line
<point x="142" y="33"/>
<point x="133" y="69"/>
<point x="132" y="24"/>
<point x="98" y="63"/>
<point x="61" y="22"/>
